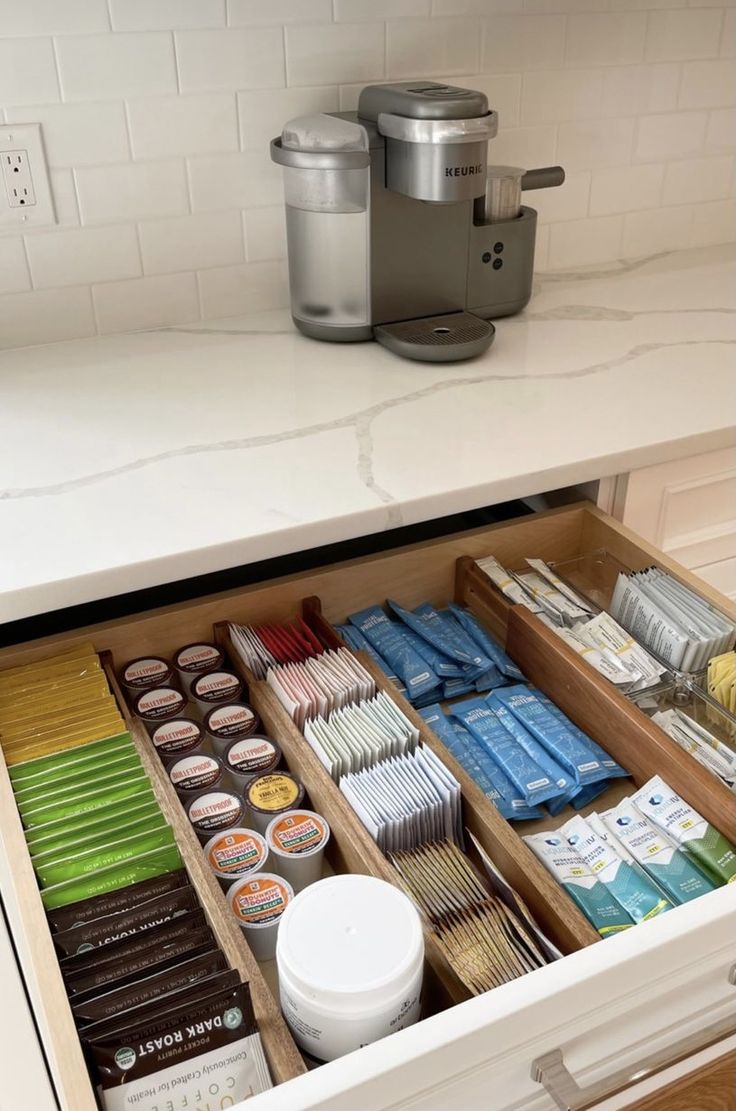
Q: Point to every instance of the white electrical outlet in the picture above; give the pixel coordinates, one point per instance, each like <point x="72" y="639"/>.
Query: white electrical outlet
<point x="25" y="192"/>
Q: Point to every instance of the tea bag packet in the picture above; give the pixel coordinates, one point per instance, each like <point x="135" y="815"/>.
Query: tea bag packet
<point x="137" y="1067"/>
<point x="143" y="867"/>
<point x="485" y="642"/>
<point x="699" y="840"/>
<point x="250" y="651"/>
<point x="355" y="640"/>
<point x="60" y="866"/>
<point x="672" y="870"/>
<point x="534" y="784"/>
<point x="359" y="736"/>
<point x="631" y="889"/>
<point x="570" y="870"/>
<point x="387" y="638"/>
<point x="702" y="745"/>
<point x="69" y="831"/>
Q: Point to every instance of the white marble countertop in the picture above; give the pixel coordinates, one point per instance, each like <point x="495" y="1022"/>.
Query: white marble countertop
<point x="133" y="460"/>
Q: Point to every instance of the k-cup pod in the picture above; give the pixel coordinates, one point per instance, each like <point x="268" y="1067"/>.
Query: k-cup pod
<point x="267" y="796"/>
<point x="350" y="957"/>
<point x="236" y="853"/>
<point x="198" y="772"/>
<point x="143" y="673"/>
<point x="210" y="812"/>
<point x="194" y="660"/>
<point x="159" y="704"/>
<point x="258" y="904"/>
<point x="215" y="688"/>
<point x="230" y="722"/>
<point x="176" y="738"/>
<point x="250" y="757"/>
<point x="297" y="843"/>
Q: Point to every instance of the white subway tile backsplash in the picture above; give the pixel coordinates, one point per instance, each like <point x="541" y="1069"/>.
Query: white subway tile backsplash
<point x="428" y="46"/>
<point x="672" y="136"/>
<point x="13" y="267"/>
<point x="355" y="11"/>
<point x="172" y="125"/>
<point x="551" y="96"/>
<point x="45" y="316"/>
<point x="265" y="233"/>
<point x="157" y="115"/>
<point x="136" y="191"/>
<point x="242" y="13"/>
<point x="319" y="54"/>
<point x="708" y="84"/>
<point x="230" y="60"/>
<point x="57" y="17"/>
<point x="252" y="287"/>
<point x="101" y="67"/>
<point x="523" y="42"/>
<point x="164" y="15"/>
<point x="661" y="229"/>
<point x="605" y="38"/>
<point x="83" y="255"/>
<point x="698" y="179"/>
<point x="264" y="113"/>
<point x="721" y="131"/>
<point x="626" y="189"/>
<point x="680" y="34"/>
<point x="146" y="302"/>
<point x="78" y="134"/>
<point x="568" y="202"/>
<point x="246" y="180"/>
<point x="27" y="71"/>
<point x="585" y="144"/>
<point x="191" y="242"/>
<point x="582" y="242"/>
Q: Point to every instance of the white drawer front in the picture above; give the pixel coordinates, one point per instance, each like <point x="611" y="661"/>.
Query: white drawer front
<point x="607" y="1007"/>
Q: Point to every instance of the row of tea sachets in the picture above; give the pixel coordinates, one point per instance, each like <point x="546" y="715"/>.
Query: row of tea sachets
<point x="721" y="680"/>
<point x="595" y="636"/>
<point x="713" y="753"/>
<point x="359" y="736"/>
<point x="523" y="751"/>
<point x="56" y="704"/>
<point x="673" y="621"/>
<point x="485" y="941"/>
<point x="433" y="653"/>
<point x="261" y="647"/>
<point x="635" y="861"/>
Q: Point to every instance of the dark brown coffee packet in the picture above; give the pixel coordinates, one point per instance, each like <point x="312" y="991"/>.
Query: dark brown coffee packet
<point x="150" y="991"/>
<point x="115" y="902"/>
<point x="175" y="954"/>
<point x="117" y="951"/>
<point x="116" y="973"/>
<point x="115" y="927"/>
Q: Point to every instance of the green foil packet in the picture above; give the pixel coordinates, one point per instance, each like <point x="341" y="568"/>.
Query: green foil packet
<point x="94" y="750"/>
<point x="102" y="775"/>
<point x="98" y="838"/>
<point x="61" y="869"/>
<point x="87" y="802"/>
<point x="81" y="823"/>
<point x="146" y="867"/>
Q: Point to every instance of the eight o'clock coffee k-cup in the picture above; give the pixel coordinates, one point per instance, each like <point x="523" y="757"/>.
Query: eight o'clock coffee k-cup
<point x="297" y="843"/>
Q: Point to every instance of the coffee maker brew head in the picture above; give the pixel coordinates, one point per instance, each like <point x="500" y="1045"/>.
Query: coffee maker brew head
<point x="436" y="138"/>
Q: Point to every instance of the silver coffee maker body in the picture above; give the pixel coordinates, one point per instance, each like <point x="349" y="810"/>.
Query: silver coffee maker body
<point x="388" y="231"/>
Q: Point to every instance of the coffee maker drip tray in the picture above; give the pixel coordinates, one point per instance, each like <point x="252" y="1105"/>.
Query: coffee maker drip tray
<point x="437" y="339"/>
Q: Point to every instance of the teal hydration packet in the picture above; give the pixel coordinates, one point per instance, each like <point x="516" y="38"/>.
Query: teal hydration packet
<point x="670" y="869"/>
<point x="631" y="888"/>
<point x="495" y="785"/>
<point x="614" y="770"/>
<point x="556" y="736"/>
<point x="570" y="870"/>
<point x="355" y="640"/>
<point x="386" y="638"/>
<point x="485" y="642"/>
<point x="566" y="785"/>
<point x="524" y="772"/>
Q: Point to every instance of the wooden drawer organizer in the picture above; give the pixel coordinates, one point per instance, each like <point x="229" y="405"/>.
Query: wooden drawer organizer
<point x="433" y="571"/>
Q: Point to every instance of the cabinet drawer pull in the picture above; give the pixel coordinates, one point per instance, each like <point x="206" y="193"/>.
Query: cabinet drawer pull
<point x="551" y="1071"/>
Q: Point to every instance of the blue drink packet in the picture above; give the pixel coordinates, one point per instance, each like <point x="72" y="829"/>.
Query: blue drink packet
<point x="614" y="770"/>
<point x="566" y="784"/>
<point x="556" y="736"/>
<point x="485" y="641"/>
<point x="453" y="634"/>
<point x="386" y="638"/>
<point x="524" y="772"/>
<point x="442" y="665"/>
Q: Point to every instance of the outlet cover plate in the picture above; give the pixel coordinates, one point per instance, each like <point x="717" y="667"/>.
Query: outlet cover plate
<point x="26" y="138"/>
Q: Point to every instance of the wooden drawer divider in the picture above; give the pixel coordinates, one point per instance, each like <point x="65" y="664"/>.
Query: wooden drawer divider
<point x="556" y="913"/>
<point x="284" y="1058"/>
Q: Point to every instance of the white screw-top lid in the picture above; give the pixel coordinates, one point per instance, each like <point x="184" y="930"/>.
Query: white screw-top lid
<point x="350" y="943"/>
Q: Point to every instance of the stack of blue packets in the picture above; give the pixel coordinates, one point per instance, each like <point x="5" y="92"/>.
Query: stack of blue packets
<point x="523" y="752"/>
<point x="429" y="653"/>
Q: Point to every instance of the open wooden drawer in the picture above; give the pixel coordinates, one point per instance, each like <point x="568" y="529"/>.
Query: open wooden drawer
<point x="607" y="1005"/>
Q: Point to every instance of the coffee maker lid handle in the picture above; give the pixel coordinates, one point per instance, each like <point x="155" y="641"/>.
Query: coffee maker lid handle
<point x="475" y="129"/>
<point x="318" y="159"/>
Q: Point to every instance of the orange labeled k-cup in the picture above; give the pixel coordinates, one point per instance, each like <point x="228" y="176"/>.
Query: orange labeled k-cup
<point x="296" y="841"/>
<point x="257" y="903"/>
<point x="233" y="854"/>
